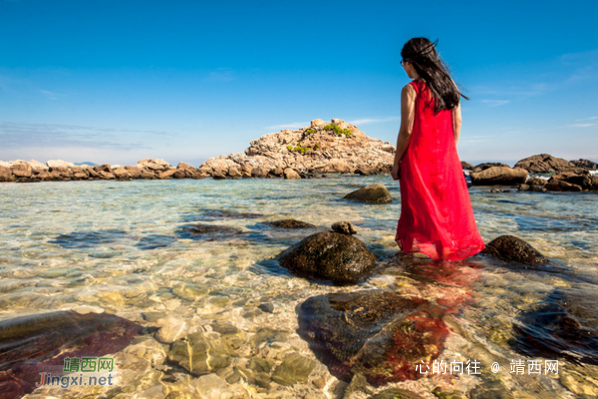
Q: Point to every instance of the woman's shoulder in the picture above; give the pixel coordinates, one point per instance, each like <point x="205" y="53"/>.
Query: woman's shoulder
<point x="410" y="89"/>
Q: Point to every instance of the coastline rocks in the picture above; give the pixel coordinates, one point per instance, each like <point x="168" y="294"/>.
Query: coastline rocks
<point x="467" y="166"/>
<point x="381" y="335"/>
<point x="5" y="174"/>
<point x="291" y="174"/>
<point x="37" y="343"/>
<point x="344" y="228"/>
<point x="545" y="163"/>
<point x="487" y="165"/>
<point x="585" y="164"/>
<point x="208" y="232"/>
<point x="375" y="193"/>
<point x="513" y="249"/>
<point x="498" y="175"/>
<point x="328" y="255"/>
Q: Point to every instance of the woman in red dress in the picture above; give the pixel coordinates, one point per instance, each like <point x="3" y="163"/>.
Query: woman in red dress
<point x="436" y="214"/>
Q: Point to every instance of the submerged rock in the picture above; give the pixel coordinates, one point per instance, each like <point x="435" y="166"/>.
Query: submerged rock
<point x="375" y="193"/>
<point x="381" y="335"/>
<point x="208" y="232"/>
<point x="396" y="393"/>
<point x="564" y="325"/>
<point x="38" y="343"/>
<point x="199" y="354"/>
<point x="90" y="239"/>
<point x="328" y="255"/>
<point x="290" y="224"/>
<point x="293" y="369"/>
<point x="513" y="249"/>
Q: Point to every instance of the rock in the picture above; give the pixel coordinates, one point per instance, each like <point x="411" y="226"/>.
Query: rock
<point x="545" y="163"/>
<point x="210" y="386"/>
<point x="396" y="393"/>
<point x="267" y="307"/>
<point x="294" y="369"/>
<point x="290" y="224"/>
<point x="59" y="165"/>
<point x="487" y="165"/>
<point x="5" y="174"/>
<point x="21" y="169"/>
<point x="153" y="164"/>
<point x="291" y="174"/>
<point x="562" y="325"/>
<point x="166" y="173"/>
<point x="234" y="173"/>
<point x="179" y="174"/>
<point x="381" y="335"/>
<point x="121" y="174"/>
<point x="513" y="249"/>
<point x="585" y="164"/>
<point x="467" y="166"/>
<point x="259" y="172"/>
<point x="344" y="228"/>
<point x="173" y="330"/>
<point x="199" y="354"/>
<point x="327" y="255"/>
<point x="38" y="167"/>
<point x="537" y="182"/>
<point x="184" y="165"/>
<point x="269" y="335"/>
<point x="491" y="389"/>
<point x="498" y="175"/>
<point x="147" y="174"/>
<point x="276" y="172"/>
<point x="103" y="168"/>
<point x="524" y="187"/>
<point x="208" y="232"/>
<point x="561" y="185"/>
<point x="106" y="175"/>
<point x="40" y="342"/>
<point x="375" y="193"/>
<point x="134" y="172"/>
<point x="317" y="123"/>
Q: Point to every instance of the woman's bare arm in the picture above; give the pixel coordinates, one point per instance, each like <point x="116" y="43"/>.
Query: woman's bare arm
<point x="408" y="96"/>
<point x="457" y="122"/>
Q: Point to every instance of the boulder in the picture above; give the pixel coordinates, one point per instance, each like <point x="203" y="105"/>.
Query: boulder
<point x="318" y="123"/>
<point x="166" y="173"/>
<point x="513" y="249"/>
<point x="184" y="165"/>
<point x="291" y="174"/>
<point x="585" y="164"/>
<point x="545" y="163"/>
<point x="38" y="167"/>
<point x="103" y="168"/>
<point x="561" y="185"/>
<point x="180" y="173"/>
<point x="5" y="174"/>
<point x="21" y="169"/>
<point x="57" y="164"/>
<point x="259" y="172"/>
<point x="380" y="334"/>
<point x="121" y="173"/>
<point x="328" y="255"/>
<point x="134" y="171"/>
<point x="147" y="174"/>
<point x="106" y="175"/>
<point x="375" y="193"/>
<point x="153" y="164"/>
<point x="467" y="166"/>
<point x="344" y="228"/>
<point x="290" y="224"/>
<point x="234" y="173"/>
<point x="487" y="165"/>
<point x="40" y="342"/>
<point x="499" y="175"/>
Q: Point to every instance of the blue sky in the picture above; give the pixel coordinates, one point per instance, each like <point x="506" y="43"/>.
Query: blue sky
<point x="115" y="81"/>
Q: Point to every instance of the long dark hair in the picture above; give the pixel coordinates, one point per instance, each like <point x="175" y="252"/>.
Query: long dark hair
<point x="421" y="53"/>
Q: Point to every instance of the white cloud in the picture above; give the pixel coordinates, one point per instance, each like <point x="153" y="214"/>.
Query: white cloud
<point x="584" y="125"/>
<point x="365" y="121"/>
<point x="289" y="125"/>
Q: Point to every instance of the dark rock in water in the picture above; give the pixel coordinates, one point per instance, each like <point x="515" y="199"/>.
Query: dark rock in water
<point x="153" y="241"/>
<point x="585" y="164"/>
<point x="545" y="163"/>
<point x="208" y="232"/>
<point x="499" y="175"/>
<point x="290" y="224"/>
<point x="375" y="193"/>
<point x="381" y="335"/>
<point x="467" y="166"/>
<point x="344" y="228"/>
<point x="90" y="239"/>
<point x="561" y="185"/>
<point x="396" y="393"/>
<point x="487" y="165"/>
<point x="211" y="215"/>
<point x="329" y="255"/>
<point x="492" y="389"/>
<point x="514" y="249"/>
<point x="40" y="343"/>
<point x="564" y="325"/>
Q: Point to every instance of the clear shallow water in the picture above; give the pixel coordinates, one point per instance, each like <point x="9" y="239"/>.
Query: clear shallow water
<point x="119" y="246"/>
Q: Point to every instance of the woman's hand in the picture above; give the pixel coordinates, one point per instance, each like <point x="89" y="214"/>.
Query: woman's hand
<point x="395" y="171"/>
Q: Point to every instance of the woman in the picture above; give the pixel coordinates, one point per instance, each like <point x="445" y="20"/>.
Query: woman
<point x="436" y="214"/>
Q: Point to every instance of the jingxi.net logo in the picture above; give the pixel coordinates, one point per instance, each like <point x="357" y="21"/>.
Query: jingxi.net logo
<point x="91" y="371"/>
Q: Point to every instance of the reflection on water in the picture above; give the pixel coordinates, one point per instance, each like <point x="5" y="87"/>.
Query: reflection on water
<point x="199" y="251"/>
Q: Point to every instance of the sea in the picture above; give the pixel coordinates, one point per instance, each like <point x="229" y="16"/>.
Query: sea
<point x="124" y="248"/>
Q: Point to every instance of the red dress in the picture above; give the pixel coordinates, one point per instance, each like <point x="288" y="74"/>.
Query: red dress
<point x="436" y="214"/>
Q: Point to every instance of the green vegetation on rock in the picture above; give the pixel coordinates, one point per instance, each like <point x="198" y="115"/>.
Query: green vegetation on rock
<point x="337" y="129"/>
